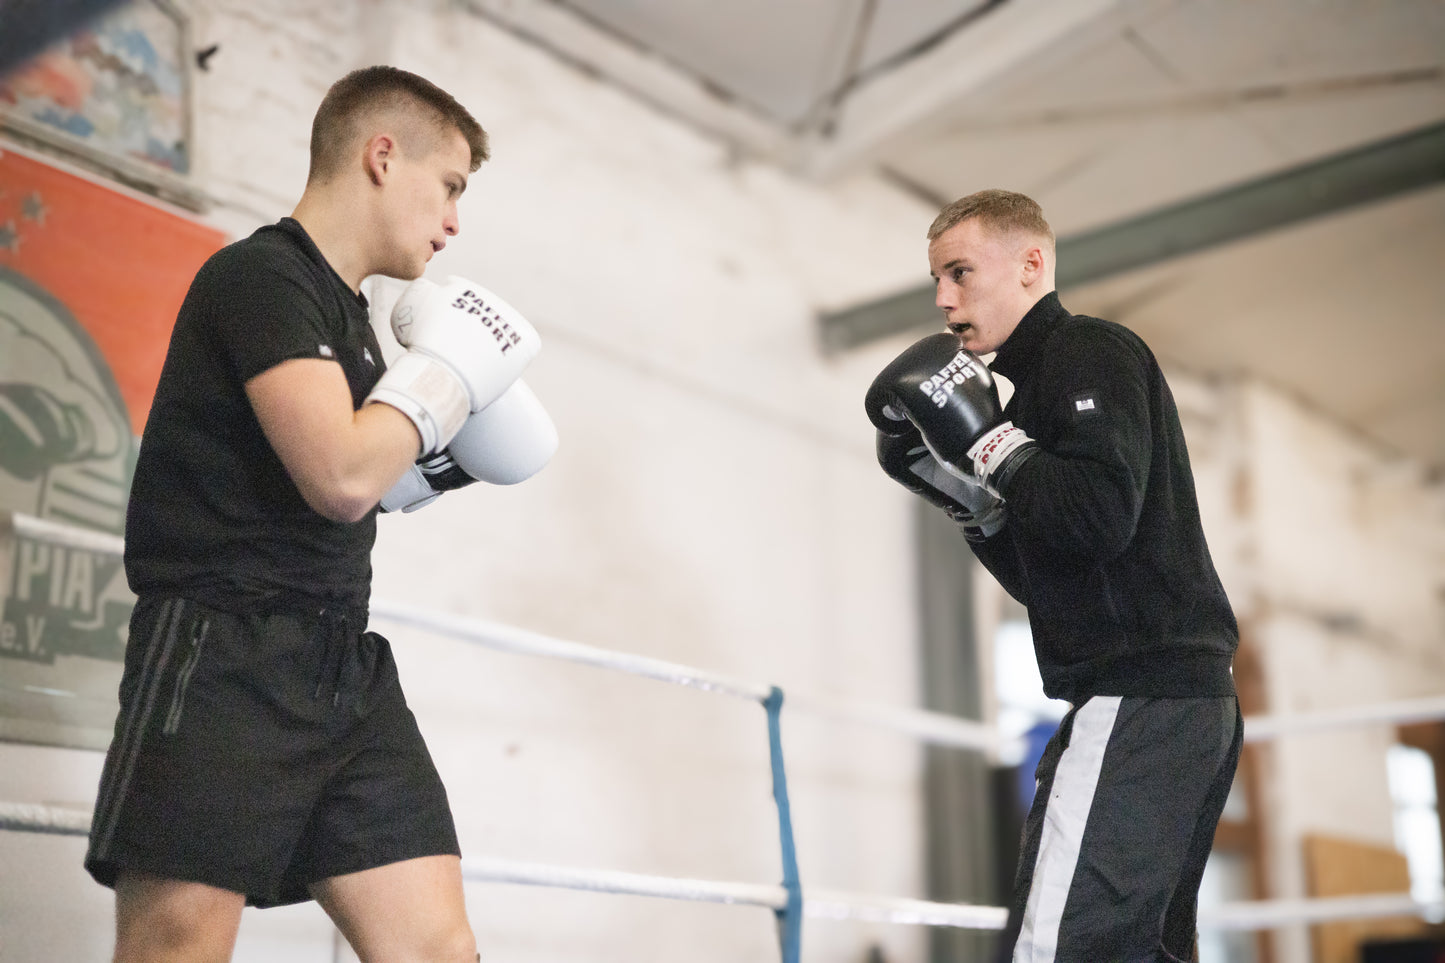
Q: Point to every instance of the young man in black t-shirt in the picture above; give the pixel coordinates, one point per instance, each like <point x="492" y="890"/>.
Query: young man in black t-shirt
<point x="264" y="752"/>
<point x="1079" y="498"/>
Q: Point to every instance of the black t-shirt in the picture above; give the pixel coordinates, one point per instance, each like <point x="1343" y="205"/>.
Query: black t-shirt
<point x="213" y="514"/>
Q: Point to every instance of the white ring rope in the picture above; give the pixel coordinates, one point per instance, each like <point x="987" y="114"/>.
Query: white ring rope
<point x="1272" y="913"/>
<point x="819" y="903"/>
<point x="1404" y="712"/>
<point x="932" y="727"/>
<point x="38" y="818"/>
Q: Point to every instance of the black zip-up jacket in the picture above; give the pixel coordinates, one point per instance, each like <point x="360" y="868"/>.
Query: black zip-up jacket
<point x="1103" y="544"/>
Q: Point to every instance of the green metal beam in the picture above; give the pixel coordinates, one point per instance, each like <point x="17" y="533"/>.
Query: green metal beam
<point x="1365" y="175"/>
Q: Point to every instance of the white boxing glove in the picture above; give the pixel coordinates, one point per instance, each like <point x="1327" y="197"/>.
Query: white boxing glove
<point x="465" y="347"/>
<point x="505" y="443"/>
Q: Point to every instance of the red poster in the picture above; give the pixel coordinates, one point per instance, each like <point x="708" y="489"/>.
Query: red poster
<point x="90" y="282"/>
<point x="91" y="279"/>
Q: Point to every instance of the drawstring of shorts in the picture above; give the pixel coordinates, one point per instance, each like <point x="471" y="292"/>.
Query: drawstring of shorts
<point x="335" y="642"/>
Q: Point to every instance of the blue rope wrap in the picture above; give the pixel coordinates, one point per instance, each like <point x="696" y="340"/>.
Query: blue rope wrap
<point x="790" y="918"/>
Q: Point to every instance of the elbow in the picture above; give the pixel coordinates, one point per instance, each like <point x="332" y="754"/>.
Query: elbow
<point x="1112" y="543"/>
<point x="1107" y="532"/>
<point x="350" y="511"/>
<point x="340" y="501"/>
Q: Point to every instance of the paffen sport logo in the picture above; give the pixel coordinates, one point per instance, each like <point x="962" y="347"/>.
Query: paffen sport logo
<point x="492" y="318"/>
<point x="950" y="376"/>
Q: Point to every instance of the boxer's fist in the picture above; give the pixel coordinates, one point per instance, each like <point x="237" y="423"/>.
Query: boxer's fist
<point x="505" y="443"/>
<point x="978" y="512"/>
<point x="465" y="347"/>
<point x="949" y="395"/>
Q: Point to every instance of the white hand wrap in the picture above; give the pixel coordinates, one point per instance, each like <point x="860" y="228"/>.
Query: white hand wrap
<point x="993" y="449"/>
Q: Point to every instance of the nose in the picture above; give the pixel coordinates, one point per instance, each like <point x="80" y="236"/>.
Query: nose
<point x="451" y="223"/>
<point x="943" y="296"/>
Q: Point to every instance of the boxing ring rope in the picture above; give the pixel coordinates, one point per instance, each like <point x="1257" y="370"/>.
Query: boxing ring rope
<point x="787" y="900"/>
<point x="819" y="903"/>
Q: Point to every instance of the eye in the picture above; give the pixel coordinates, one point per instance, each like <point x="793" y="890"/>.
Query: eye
<point x="958" y="274"/>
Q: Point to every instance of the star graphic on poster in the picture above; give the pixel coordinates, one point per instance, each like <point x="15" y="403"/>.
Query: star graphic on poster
<point x="33" y="208"/>
<point x="9" y="237"/>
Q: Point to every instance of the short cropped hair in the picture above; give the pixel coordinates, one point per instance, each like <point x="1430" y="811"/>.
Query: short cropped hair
<point x="373" y="90"/>
<point x="999" y="211"/>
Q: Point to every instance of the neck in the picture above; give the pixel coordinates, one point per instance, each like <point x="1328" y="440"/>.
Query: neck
<point x="335" y="228"/>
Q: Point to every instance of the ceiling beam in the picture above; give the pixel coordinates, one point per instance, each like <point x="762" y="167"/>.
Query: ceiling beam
<point x="1361" y="176"/>
<point x="886" y="105"/>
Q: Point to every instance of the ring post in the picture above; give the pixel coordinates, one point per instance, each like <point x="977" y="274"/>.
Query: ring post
<point x="790" y="918"/>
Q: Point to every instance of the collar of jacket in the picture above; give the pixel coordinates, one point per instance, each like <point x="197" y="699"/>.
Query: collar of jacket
<point x="1021" y="351"/>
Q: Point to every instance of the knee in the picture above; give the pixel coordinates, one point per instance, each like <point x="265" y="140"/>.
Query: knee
<point x="166" y="920"/>
<point x="460" y="945"/>
<point x="171" y="936"/>
<point x="454" y="944"/>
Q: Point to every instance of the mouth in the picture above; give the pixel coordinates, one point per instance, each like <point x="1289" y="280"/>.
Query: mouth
<point x="960" y="328"/>
<point x="436" y="246"/>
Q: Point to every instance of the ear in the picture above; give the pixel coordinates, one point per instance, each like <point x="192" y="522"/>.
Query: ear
<point x="377" y="159"/>
<point x="1033" y="264"/>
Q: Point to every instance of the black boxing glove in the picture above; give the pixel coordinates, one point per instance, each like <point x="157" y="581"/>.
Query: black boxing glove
<point x="950" y="396"/>
<point x="907" y="460"/>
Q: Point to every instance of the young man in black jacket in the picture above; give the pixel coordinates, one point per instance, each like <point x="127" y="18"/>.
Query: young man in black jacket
<point x="1078" y="497"/>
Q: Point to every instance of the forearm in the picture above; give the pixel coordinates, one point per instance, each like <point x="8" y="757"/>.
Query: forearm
<point x="341" y="459"/>
<point x="347" y="477"/>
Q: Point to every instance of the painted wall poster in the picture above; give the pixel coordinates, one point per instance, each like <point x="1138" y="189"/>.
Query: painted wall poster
<point x="115" y="93"/>
<point x="90" y="282"/>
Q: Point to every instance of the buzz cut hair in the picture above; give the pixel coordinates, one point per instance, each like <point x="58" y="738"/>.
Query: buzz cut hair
<point x="999" y="211"/>
<point x="427" y="113"/>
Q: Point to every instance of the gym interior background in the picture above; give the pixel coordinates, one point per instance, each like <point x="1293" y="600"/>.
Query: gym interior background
<point x="715" y="214"/>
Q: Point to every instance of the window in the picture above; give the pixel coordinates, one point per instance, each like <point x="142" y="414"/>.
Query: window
<point x="1417" y="819"/>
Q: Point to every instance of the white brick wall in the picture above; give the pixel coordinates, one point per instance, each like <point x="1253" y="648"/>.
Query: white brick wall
<point x="715" y="501"/>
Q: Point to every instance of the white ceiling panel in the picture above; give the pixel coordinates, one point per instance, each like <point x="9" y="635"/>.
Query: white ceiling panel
<point x="1092" y="174"/>
<point x="898" y="25"/>
<point x="1347" y="312"/>
<point x="1250" y="43"/>
<point x="1304" y="129"/>
<point x="777" y="57"/>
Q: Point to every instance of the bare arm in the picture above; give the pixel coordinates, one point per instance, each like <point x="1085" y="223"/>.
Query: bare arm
<point x="342" y="460"/>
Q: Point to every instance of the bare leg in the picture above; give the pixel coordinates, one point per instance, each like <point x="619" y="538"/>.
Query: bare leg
<point x="407" y="912"/>
<point x="163" y="920"/>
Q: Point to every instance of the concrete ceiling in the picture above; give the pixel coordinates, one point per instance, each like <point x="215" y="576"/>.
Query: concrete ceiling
<point x="1103" y="110"/>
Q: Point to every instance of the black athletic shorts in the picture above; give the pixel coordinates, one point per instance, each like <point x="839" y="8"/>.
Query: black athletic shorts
<point x="260" y="753"/>
<point x="1130" y="791"/>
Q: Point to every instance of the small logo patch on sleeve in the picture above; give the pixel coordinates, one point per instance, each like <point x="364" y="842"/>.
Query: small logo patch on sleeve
<point x="1086" y="404"/>
<point x="325" y="351"/>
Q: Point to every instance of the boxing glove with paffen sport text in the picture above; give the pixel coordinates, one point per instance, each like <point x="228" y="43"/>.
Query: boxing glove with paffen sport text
<point x="949" y="395"/>
<point x="465" y="346"/>
<point x="506" y="442"/>
<point x="978" y="512"/>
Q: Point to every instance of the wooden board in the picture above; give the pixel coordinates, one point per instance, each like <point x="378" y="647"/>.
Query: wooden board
<point x="1343" y="867"/>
